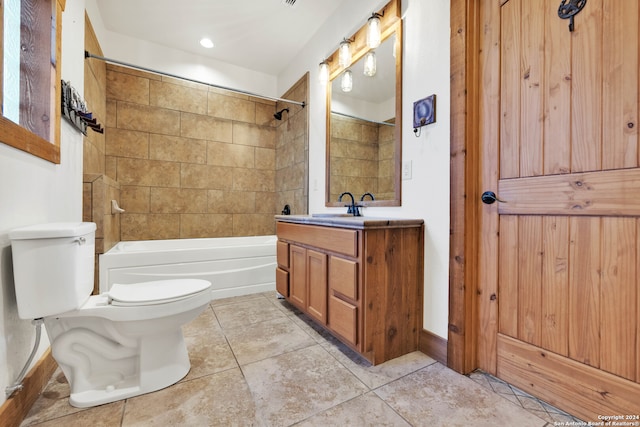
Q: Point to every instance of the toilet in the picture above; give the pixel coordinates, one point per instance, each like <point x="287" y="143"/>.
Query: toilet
<point x="125" y="342"/>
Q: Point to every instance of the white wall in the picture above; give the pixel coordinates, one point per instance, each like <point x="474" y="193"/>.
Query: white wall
<point x="160" y="58"/>
<point x="425" y="72"/>
<point x="36" y="191"/>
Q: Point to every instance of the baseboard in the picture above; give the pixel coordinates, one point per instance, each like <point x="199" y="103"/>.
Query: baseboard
<point x="16" y="408"/>
<point x="433" y="346"/>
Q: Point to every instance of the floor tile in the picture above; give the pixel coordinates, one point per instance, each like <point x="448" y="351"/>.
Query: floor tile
<point x="246" y="312"/>
<point x="296" y="385"/>
<point x="208" y="355"/>
<point x="378" y="375"/>
<point x="267" y="339"/>
<point x="365" y="410"/>
<point x="258" y="361"/>
<point x="221" y="399"/>
<point x="437" y="396"/>
<point x="53" y="402"/>
<point x="109" y="415"/>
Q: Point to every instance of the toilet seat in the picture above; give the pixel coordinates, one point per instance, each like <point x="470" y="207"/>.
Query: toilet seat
<point x="155" y="292"/>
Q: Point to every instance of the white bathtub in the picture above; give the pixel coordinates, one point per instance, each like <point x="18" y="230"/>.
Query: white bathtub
<point x="234" y="265"/>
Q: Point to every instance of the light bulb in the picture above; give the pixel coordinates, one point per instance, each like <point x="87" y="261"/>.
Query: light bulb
<point x="370" y="64"/>
<point x="346" y="84"/>
<point x="323" y="73"/>
<point x="373" y="32"/>
<point x="344" y="56"/>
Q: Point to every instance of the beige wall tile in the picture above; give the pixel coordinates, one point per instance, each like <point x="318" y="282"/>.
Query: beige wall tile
<point x="231" y="155"/>
<point x="152" y="173"/>
<point x="86" y="202"/>
<point x="221" y="201"/>
<point x="204" y="127"/>
<point x="148" y="119"/>
<point x="112" y="114"/>
<point x="206" y="225"/>
<point x="177" y="149"/>
<point x="178" y="200"/>
<point x="253" y="225"/>
<point x="110" y="166"/>
<point x="92" y="159"/>
<point x="126" y="87"/>
<point x="135" y="199"/>
<point x="205" y="176"/>
<point x="149" y="226"/>
<point x="178" y="97"/>
<point x="127" y="143"/>
<point x="257" y="136"/>
<point x="265" y="203"/>
<point x="253" y="180"/>
<point x="265" y="158"/>
<point x="231" y="108"/>
<point x="264" y="114"/>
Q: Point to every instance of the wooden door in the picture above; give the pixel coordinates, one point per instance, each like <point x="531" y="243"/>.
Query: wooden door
<point x="559" y="264"/>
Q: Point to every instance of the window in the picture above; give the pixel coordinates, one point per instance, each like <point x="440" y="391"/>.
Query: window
<point x="30" y="33"/>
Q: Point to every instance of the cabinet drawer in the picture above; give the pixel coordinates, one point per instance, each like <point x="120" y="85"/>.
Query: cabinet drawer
<point x="282" y="253"/>
<point x="340" y="240"/>
<point x="282" y="282"/>
<point x="343" y="319"/>
<point x="343" y="277"/>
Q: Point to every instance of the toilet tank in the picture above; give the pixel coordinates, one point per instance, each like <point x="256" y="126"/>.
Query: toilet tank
<point x="53" y="267"/>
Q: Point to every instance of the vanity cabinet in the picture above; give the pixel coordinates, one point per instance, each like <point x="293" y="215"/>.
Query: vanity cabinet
<point x="361" y="279"/>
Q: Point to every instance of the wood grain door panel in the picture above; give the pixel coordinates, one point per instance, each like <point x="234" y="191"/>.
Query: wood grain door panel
<point x="560" y="259"/>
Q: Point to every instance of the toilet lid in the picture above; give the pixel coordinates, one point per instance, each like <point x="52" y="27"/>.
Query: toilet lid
<point x="156" y="292"/>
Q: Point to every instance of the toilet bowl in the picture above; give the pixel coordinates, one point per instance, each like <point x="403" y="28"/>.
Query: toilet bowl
<point x="122" y="343"/>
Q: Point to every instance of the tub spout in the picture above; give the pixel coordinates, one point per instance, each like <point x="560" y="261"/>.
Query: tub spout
<point x="115" y="209"/>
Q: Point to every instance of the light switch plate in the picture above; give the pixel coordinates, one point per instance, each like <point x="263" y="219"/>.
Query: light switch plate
<point x="406" y="169"/>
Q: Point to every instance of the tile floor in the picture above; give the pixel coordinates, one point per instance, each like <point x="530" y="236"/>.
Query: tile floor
<point x="256" y="361"/>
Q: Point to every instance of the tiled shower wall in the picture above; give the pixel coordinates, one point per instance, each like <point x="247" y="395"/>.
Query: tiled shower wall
<point x="191" y="160"/>
<point x="292" y="151"/>
<point x="362" y="158"/>
<point x="97" y="189"/>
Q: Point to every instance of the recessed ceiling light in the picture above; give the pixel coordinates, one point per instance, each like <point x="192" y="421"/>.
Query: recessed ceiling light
<point x="206" y="42"/>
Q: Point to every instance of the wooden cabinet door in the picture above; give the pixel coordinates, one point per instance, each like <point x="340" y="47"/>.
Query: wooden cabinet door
<point x="343" y="277"/>
<point x="343" y="319"/>
<point x="282" y="282"/>
<point x="298" y="276"/>
<point x="317" y="285"/>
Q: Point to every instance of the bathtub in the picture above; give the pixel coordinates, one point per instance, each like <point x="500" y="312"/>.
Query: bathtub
<point x="234" y="265"/>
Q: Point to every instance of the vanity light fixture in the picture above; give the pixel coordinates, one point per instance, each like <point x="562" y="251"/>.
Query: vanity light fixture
<point x="344" y="55"/>
<point x="206" y="42"/>
<point x="373" y="31"/>
<point x="370" y="64"/>
<point x="346" y="83"/>
<point x="323" y="72"/>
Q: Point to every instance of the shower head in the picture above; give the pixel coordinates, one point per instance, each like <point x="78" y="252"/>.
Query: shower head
<point x="278" y="115"/>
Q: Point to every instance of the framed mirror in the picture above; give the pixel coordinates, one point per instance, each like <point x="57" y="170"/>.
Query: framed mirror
<point x="364" y="139"/>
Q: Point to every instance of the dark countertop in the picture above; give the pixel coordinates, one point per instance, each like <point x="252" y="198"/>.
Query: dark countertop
<point x="349" y="221"/>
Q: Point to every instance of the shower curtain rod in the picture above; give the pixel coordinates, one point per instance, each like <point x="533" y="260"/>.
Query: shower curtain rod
<point x="88" y="54"/>
<point x="360" y="118"/>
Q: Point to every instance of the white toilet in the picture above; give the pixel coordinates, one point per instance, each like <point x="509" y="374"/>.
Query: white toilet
<point x="123" y="343"/>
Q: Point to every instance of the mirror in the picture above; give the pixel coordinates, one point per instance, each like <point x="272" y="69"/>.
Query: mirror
<point x="363" y="149"/>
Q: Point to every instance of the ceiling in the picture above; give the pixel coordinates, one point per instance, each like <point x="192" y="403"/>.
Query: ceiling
<point x="261" y="35"/>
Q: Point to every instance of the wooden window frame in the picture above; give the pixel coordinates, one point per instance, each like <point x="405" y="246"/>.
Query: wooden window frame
<point x="17" y="136"/>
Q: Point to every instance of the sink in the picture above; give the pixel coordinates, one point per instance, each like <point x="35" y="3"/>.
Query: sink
<point x="332" y="215"/>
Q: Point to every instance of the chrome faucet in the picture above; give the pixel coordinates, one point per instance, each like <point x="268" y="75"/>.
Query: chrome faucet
<point x="352" y="209"/>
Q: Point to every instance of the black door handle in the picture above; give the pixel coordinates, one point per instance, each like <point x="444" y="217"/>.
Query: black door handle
<point x="489" y="198"/>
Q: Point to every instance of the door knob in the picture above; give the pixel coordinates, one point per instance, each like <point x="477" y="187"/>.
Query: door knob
<point x="489" y="198"/>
